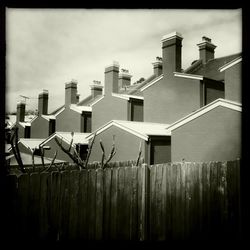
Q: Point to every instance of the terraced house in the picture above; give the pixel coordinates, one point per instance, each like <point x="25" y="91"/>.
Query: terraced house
<point x="192" y="114"/>
<point x="170" y="95"/>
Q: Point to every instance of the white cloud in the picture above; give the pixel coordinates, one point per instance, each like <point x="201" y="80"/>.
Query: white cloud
<point x="48" y="47"/>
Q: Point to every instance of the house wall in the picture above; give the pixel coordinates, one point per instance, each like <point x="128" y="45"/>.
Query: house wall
<point x="109" y="108"/>
<point x="60" y="154"/>
<point x="170" y="99"/>
<point x="126" y="144"/>
<point x="40" y="128"/>
<point x="214" y="136"/>
<point x="233" y="83"/>
<point x="68" y="120"/>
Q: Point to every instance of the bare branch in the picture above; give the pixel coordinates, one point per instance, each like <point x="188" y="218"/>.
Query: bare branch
<point x="76" y="159"/>
<point x="139" y="156"/>
<point x="111" y="155"/>
<point x="16" y="150"/>
<point x="42" y="154"/>
<point x="33" y="160"/>
<point x="52" y="162"/>
<point x="89" y="151"/>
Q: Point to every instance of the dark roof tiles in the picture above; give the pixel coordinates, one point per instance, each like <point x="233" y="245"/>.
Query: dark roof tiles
<point x="211" y="68"/>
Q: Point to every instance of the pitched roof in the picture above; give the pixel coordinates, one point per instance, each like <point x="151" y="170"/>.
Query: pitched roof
<point x="136" y="88"/>
<point x="211" y="68"/>
<point x="78" y="138"/>
<point x="31" y="143"/>
<point x="230" y="64"/>
<point x="25" y="124"/>
<point x="80" y="109"/>
<point x="219" y="102"/>
<point x="139" y="129"/>
<point x="150" y="83"/>
<point x="27" y="159"/>
<point x="58" y="110"/>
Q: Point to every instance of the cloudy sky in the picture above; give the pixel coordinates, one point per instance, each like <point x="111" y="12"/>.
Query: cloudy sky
<point x="47" y="47"/>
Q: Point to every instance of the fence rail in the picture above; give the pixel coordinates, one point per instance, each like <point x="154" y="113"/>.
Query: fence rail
<point x="159" y="202"/>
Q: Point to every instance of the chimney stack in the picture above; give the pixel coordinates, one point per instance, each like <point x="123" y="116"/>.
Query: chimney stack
<point x="96" y="88"/>
<point x="77" y="98"/>
<point x="43" y="102"/>
<point x="20" y="114"/>
<point x="171" y="53"/>
<point x="206" y="49"/>
<point x="124" y="79"/>
<point x="71" y="93"/>
<point x="111" y="78"/>
<point x="157" y="66"/>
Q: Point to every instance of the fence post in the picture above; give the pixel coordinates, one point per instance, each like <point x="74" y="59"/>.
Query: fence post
<point x="144" y="206"/>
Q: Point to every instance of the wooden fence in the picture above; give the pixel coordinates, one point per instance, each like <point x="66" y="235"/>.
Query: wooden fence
<point x="160" y="202"/>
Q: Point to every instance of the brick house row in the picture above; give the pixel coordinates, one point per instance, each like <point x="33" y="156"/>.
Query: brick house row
<point x="170" y="107"/>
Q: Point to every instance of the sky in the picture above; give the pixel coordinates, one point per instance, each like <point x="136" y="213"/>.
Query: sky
<point x="45" y="48"/>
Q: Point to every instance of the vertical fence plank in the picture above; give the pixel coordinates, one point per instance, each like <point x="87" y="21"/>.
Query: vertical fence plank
<point x="99" y="204"/>
<point x="134" y="229"/>
<point x="55" y="209"/>
<point x="214" y="207"/>
<point x="73" y="204"/>
<point x="23" y="205"/>
<point x="145" y="203"/>
<point x="91" y="203"/>
<point x="233" y="198"/>
<point x="33" y="211"/>
<point x="107" y="203"/>
<point x="83" y="204"/>
<point x="43" y="207"/>
<point x="182" y="200"/>
<point x="175" y="182"/>
<point x="127" y="201"/>
<point x="168" y="221"/>
<point x="205" y="200"/>
<point x="121" y="204"/>
<point x="188" y="197"/>
<point x="152" y="208"/>
<point x="64" y="206"/>
<point x="114" y="192"/>
<point x="159" y="201"/>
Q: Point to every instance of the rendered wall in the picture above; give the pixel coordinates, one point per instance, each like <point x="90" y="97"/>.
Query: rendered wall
<point x="126" y="144"/>
<point x="40" y="128"/>
<point x="109" y="108"/>
<point x="60" y="154"/>
<point x="68" y="120"/>
<point x="170" y="99"/>
<point x="233" y="83"/>
<point x="214" y="136"/>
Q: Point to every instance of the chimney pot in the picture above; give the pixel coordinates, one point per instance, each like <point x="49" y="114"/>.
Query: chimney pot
<point x="124" y="78"/>
<point x="157" y="66"/>
<point x="96" y="88"/>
